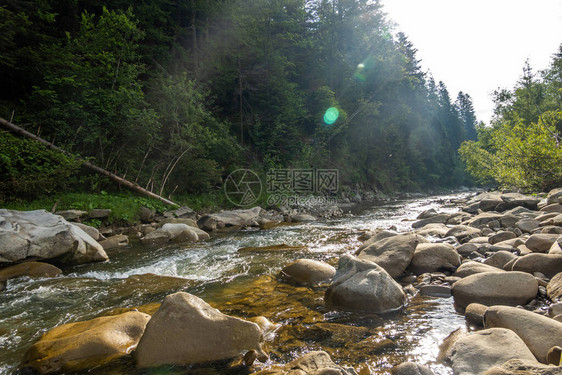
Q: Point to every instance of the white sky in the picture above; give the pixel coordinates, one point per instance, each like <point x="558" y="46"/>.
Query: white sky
<point x="476" y="46"/>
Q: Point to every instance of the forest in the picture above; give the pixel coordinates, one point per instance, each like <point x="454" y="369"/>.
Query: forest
<point x="174" y="95"/>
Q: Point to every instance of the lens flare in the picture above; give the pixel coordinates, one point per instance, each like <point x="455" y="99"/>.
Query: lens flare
<point x="331" y="115"/>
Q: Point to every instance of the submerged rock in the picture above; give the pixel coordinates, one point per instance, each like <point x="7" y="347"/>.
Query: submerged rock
<point x="361" y="285"/>
<point x="308" y="271"/>
<point x="42" y="235"/>
<point x="85" y="345"/>
<point x="317" y="363"/>
<point x="31" y="269"/>
<point x="186" y="330"/>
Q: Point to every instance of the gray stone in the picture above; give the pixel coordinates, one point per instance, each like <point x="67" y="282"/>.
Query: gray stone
<point x="436" y="219"/>
<point x="113" y="242"/>
<point x="500" y="259"/>
<point x="393" y="254"/>
<point x="552" y="208"/>
<point x="435" y="290"/>
<point x="527" y="225"/>
<point x="90" y="231"/>
<point x="99" y="213"/>
<point x="432" y="257"/>
<point x="71" y="215"/>
<point x="470" y="268"/>
<point x="308" y="271"/>
<point x="462" y="232"/>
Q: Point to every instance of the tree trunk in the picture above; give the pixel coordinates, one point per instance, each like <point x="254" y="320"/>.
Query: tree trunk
<point x="24" y="133"/>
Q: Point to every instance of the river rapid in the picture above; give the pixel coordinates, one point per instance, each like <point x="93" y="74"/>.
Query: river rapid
<point x="242" y="284"/>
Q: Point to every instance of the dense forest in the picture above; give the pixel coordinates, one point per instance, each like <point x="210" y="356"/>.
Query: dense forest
<point x="176" y="94"/>
<point x="521" y="149"/>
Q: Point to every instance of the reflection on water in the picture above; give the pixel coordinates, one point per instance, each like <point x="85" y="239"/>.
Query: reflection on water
<point x="242" y="284"/>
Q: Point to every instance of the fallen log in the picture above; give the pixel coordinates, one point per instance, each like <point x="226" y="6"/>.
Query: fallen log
<point x="131" y="185"/>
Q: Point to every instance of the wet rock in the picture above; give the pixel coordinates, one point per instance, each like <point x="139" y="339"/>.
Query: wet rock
<point x="548" y="264"/>
<point x="436" y="290"/>
<point x="85" y="345"/>
<point x="42" y="235"/>
<point x="500" y="259"/>
<point x="501" y="236"/>
<point x="554" y="288"/>
<point x="523" y="367"/>
<point x="463" y="232"/>
<point x="186" y="330"/>
<point x="495" y="288"/>
<point x="477" y="352"/>
<point x="116" y="241"/>
<point x="539" y="332"/>
<point x="410" y="368"/>
<point x="541" y="243"/>
<point x="308" y="271"/>
<point x="432" y="257"/>
<point x="361" y="285"/>
<point x="99" y="213"/>
<point x="30" y="269"/>
<point x="471" y="268"/>
<point x="474" y="315"/>
<point x="393" y="254"/>
<point x="317" y="363"/>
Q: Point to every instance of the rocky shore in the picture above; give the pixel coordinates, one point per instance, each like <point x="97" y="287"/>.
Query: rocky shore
<point x="499" y="259"/>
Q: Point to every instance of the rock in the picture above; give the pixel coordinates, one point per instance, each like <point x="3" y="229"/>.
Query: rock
<point x="435" y="290"/>
<point x="495" y="288"/>
<point x="516" y="199"/>
<point x="554" y="288"/>
<point x="501" y="236"/>
<point x="527" y="225"/>
<point x="427" y="213"/>
<point x="147" y="215"/>
<point x="90" y="231"/>
<point x="483" y="219"/>
<point x="471" y="268"/>
<point x="439" y="218"/>
<point x="490" y="203"/>
<point x="553" y="357"/>
<point x="522" y="367"/>
<point x="313" y="363"/>
<point x="231" y="218"/>
<point x="433" y="257"/>
<point x="541" y="243"/>
<point x="71" y="215"/>
<point x="184" y="212"/>
<point x="201" y="234"/>
<point x="552" y="208"/>
<point x="207" y="223"/>
<point x="500" y="259"/>
<point x="99" y="213"/>
<point x="435" y="230"/>
<point x="303" y="218"/>
<point x="85" y="345"/>
<point x="539" y="332"/>
<point x="30" y="269"/>
<point x="376" y="237"/>
<point x="361" y="285"/>
<point x="180" y="232"/>
<point x="474" y="315"/>
<point x="393" y="254"/>
<point x="548" y="264"/>
<point x="42" y="235"/>
<point x="463" y="232"/>
<point x="553" y="195"/>
<point x="113" y="242"/>
<point x="156" y="237"/>
<point x="308" y="271"/>
<point x="186" y="330"/>
<point x="475" y="353"/>
<point x="555" y="309"/>
<point x="410" y="368"/>
<point x="556" y="248"/>
<point x="446" y="347"/>
<point x="466" y="249"/>
<point x="174" y="220"/>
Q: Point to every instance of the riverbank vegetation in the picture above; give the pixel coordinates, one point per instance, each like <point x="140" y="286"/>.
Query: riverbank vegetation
<point x="175" y="96"/>
<point x="522" y="147"/>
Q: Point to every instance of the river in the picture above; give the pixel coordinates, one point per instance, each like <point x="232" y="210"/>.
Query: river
<point x="242" y="284"/>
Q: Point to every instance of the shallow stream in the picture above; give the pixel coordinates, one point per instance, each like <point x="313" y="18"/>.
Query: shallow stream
<point x="242" y="284"/>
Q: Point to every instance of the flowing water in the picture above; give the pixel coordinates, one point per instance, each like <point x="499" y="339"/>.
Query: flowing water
<point x="242" y="284"/>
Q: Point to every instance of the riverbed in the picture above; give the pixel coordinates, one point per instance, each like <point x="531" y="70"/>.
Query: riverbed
<point x="243" y="284"/>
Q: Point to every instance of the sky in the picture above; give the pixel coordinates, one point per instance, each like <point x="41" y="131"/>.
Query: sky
<point x="477" y="46"/>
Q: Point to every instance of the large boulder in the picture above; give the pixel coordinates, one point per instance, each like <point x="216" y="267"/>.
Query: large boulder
<point x="433" y="257"/>
<point x="85" y="345"/>
<point x="541" y="243"/>
<point x="495" y="288"/>
<point x="472" y="268"/>
<point x="393" y="254"/>
<point x="308" y="271"/>
<point x="547" y="264"/>
<point x="475" y="353"/>
<point x="539" y="332"/>
<point x="520" y="367"/>
<point x="180" y="232"/>
<point x="42" y="235"/>
<point x="554" y="287"/>
<point x="186" y="330"/>
<point x="362" y="285"/>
